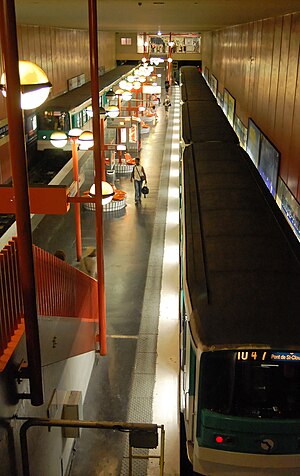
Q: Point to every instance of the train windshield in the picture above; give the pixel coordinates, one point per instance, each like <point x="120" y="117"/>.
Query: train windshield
<point x="259" y="384"/>
<point x="53" y="121"/>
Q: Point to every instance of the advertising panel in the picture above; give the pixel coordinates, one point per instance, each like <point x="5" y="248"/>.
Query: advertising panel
<point x="253" y="142"/>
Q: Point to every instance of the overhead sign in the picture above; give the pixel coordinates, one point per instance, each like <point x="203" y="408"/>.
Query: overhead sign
<point x="267" y="356"/>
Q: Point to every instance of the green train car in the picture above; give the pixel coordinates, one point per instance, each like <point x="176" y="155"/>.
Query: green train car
<point x="69" y="110"/>
<point x="239" y="304"/>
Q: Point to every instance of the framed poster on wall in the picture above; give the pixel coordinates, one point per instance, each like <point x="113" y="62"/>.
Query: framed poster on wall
<point x="225" y="102"/>
<point x="268" y="165"/>
<point x="231" y="108"/>
<point x="206" y="74"/>
<point x="241" y="131"/>
<point x="290" y="207"/>
<point x="253" y="141"/>
<point x="214" y="84"/>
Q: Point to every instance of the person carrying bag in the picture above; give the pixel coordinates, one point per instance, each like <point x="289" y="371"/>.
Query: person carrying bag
<point x="138" y="175"/>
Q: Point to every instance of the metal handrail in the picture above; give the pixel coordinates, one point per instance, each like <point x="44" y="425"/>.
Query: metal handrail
<point x="150" y="428"/>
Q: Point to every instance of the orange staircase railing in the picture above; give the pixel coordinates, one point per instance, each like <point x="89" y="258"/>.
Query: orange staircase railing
<point x="61" y="289"/>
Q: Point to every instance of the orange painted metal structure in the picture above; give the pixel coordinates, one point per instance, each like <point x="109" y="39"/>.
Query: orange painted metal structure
<point x="99" y="173"/>
<point x="61" y="289"/>
<point x="18" y="157"/>
<point x="169" y="72"/>
<point x="48" y="199"/>
<point x="11" y="303"/>
<point x="77" y="205"/>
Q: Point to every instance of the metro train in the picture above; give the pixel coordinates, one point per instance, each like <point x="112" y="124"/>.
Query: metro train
<point x="69" y="110"/>
<point x="239" y="303"/>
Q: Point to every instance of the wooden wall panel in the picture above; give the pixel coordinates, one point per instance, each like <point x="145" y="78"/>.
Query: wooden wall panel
<point x="62" y="54"/>
<point x="5" y="167"/>
<point x="247" y="59"/>
<point x="259" y="64"/>
<point x="257" y="89"/>
<point x="267" y="41"/>
<point x="274" y="77"/>
<point x="2" y="101"/>
<point x="287" y="101"/>
<point x="291" y="115"/>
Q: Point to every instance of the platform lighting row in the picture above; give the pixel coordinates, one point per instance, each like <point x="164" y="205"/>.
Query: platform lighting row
<point x="85" y="141"/>
<point x="126" y="88"/>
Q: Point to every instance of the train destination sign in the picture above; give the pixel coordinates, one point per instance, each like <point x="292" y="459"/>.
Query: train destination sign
<point x="267" y="356"/>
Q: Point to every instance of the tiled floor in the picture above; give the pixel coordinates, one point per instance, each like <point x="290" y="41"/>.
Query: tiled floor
<point x="137" y="380"/>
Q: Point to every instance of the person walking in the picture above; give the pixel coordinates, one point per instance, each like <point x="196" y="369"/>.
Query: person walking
<point x="167" y="105"/>
<point x="138" y="175"/>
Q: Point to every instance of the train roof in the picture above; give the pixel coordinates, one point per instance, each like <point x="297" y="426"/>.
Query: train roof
<point x="202" y="123"/>
<point x="78" y="96"/>
<point x="242" y="258"/>
<point x="194" y="86"/>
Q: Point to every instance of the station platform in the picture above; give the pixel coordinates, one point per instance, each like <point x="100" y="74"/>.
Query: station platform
<point x="138" y="379"/>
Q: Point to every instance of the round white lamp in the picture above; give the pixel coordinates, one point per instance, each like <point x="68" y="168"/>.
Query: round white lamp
<point x="127" y="95"/>
<point x="107" y="192"/>
<point x="59" y="139"/>
<point x="112" y="111"/>
<point x="35" y="85"/>
<point x="136" y="85"/>
<point x="86" y="140"/>
<point x="75" y="133"/>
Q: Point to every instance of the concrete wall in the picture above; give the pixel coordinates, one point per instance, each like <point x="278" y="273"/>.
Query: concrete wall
<point x="49" y="452"/>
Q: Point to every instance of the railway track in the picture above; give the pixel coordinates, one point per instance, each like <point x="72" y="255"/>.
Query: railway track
<point x="41" y="171"/>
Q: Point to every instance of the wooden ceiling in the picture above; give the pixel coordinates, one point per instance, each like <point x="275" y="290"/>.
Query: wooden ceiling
<point x="176" y="16"/>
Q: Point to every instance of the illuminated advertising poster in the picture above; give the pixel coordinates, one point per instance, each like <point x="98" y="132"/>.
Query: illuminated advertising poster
<point x="253" y="142"/>
<point x="241" y="131"/>
<point x="231" y="109"/>
<point x="269" y="164"/>
<point x="206" y="74"/>
<point x="214" y="84"/>
<point x="225" y="102"/>
<point x="220" y="99"/>
<point x="289" y="206"/>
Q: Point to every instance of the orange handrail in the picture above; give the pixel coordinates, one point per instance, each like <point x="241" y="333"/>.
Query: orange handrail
<point x="62" y="291"/>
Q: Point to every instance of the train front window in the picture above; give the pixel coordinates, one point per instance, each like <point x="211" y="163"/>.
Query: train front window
<point x="54" y="121"/>
<point x="250" y="387"/>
